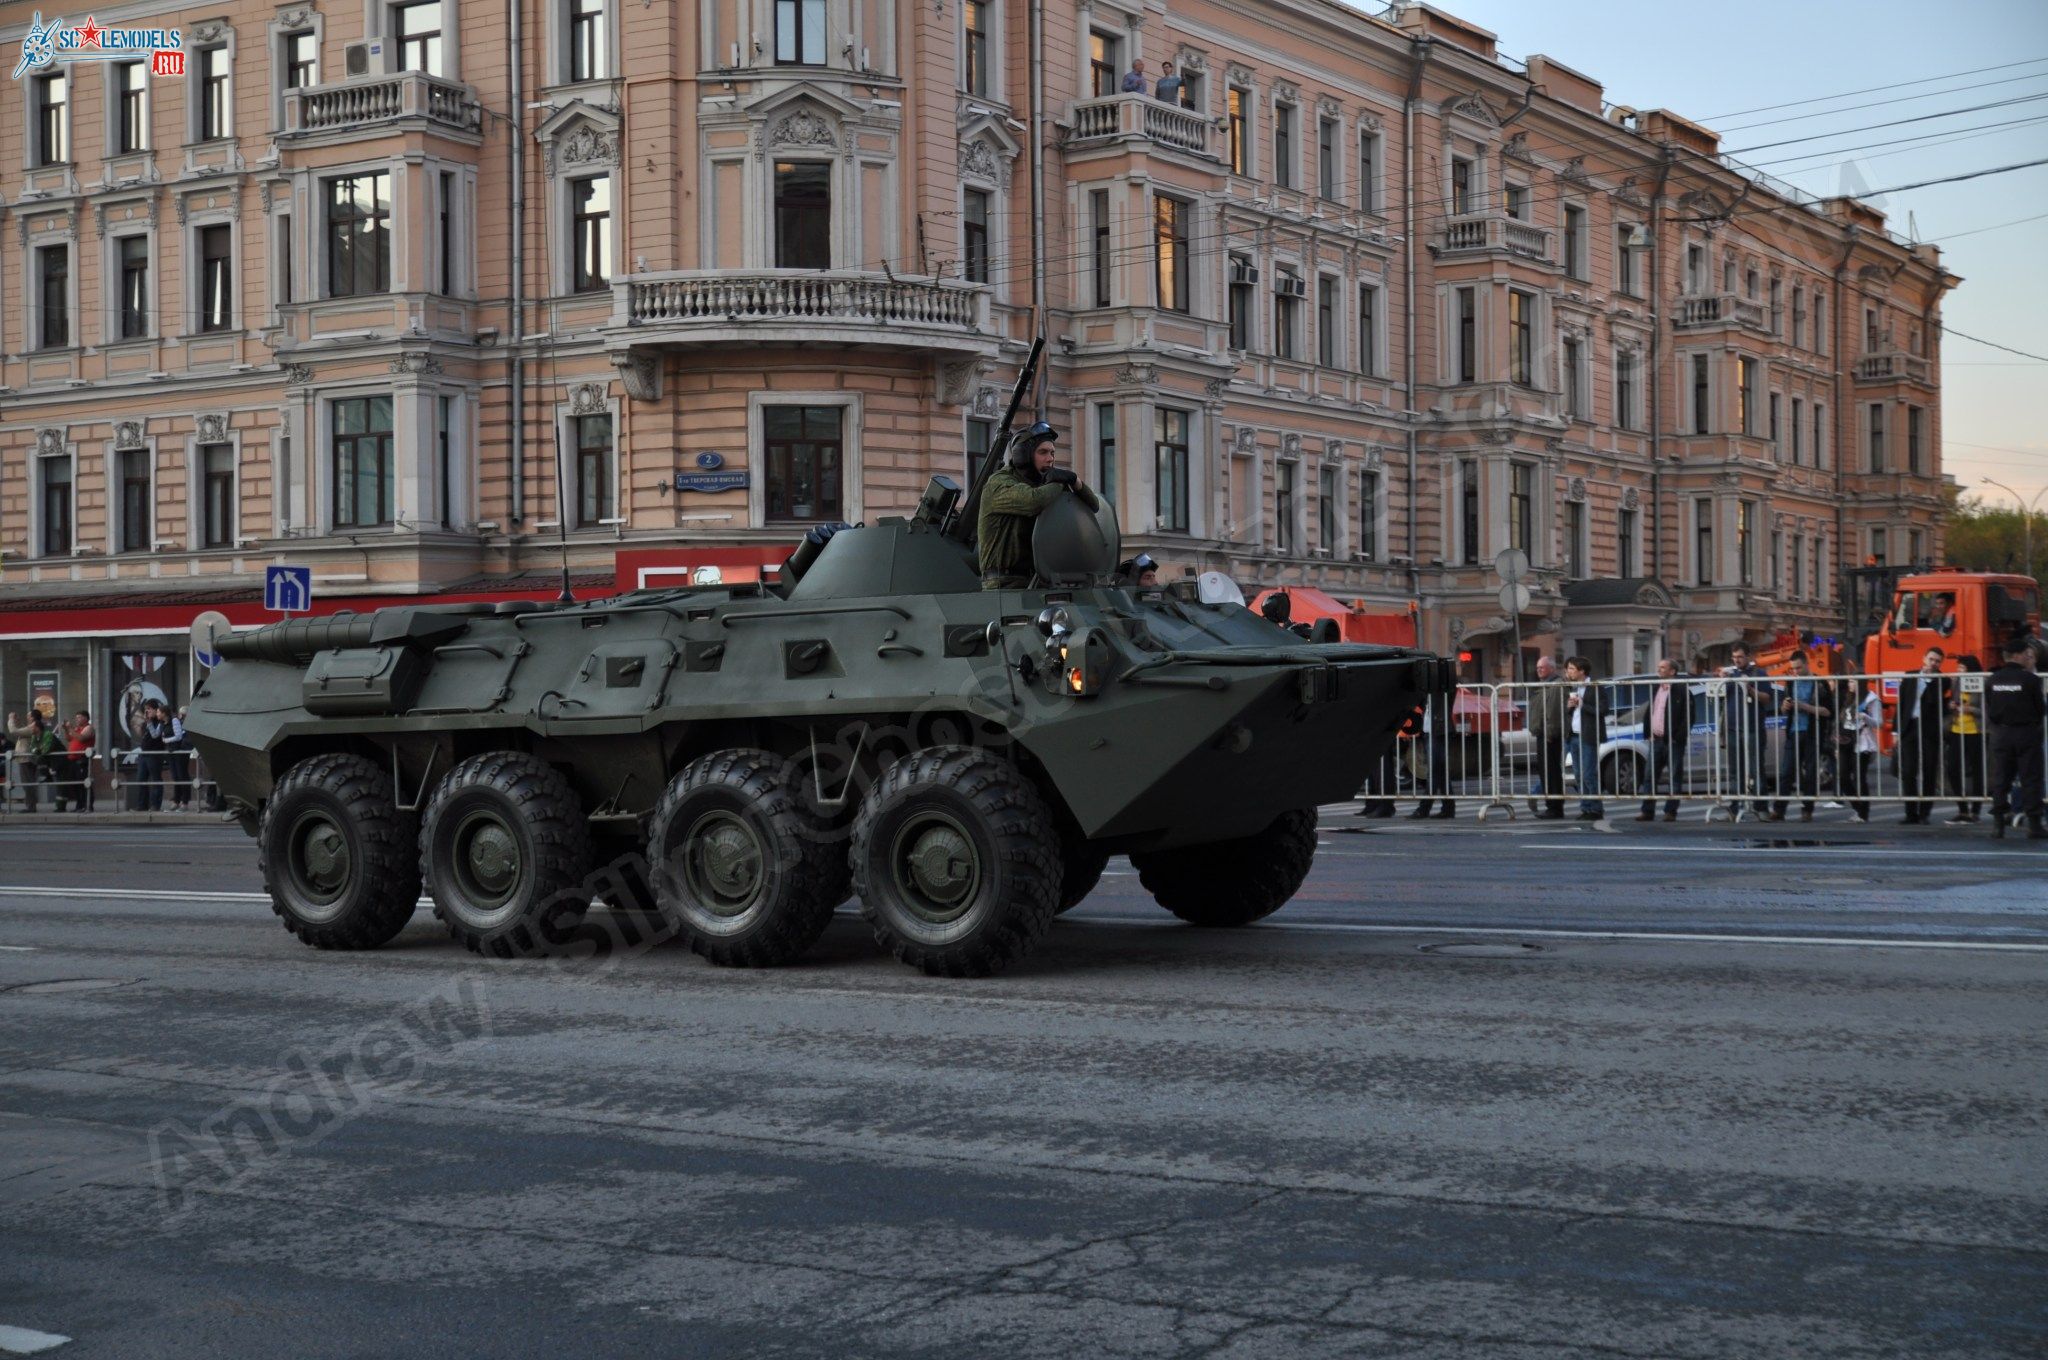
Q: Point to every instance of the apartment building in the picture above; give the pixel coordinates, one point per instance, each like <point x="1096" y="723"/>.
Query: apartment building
<point x="1361" y="305"/>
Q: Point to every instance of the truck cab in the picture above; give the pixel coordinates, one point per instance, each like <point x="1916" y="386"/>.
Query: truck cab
<point x="1963" y="613"/>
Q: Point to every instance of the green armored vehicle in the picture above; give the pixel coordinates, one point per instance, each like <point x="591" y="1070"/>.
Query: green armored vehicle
<point x="749" y="756"/>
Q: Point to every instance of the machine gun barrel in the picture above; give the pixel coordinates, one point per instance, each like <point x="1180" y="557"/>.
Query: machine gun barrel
<point x="963" y="525"/>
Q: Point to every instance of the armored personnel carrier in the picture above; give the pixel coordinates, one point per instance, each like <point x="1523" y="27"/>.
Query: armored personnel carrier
<point x="744" y="758"/>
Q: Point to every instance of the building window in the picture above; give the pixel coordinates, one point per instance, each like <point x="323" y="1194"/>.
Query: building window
<point x="1368" y="329"/>
<point x="1522" y="506"/>
<point x="1749" y="284"/>
<point x="1777" y="306"/>
<point x="1244" y="276"/>
<point x="1098" y="243"/>
<point x="974" y="234"/>
<point x="1574" y="379"/>
<point x="1461" y="186"/>
<point x="1521" y="337"/>
<point x="1369" y="171"/>
<point x="1880" y="546"/>
<point x="1625" y="543"/>
<point x="1625" y="261"/>
<point x="53" y="295"/>
<point x="1283" y="508"/>
<point x="1104" y="64"/>
<point x="1170" y="469"/>
<point x="1287" y="293"/>
<point x="1326" y="508"/>
<point x="1820" y="433"/>
<point x="1517" y="196"/>
<point x="590" y="232"/>
<point x="1702" y="393"/>
<point x="1745" y="540"/>
<point x="1877" y="458"/>
<point x="417" y="27"/>
<point x="1575" y="540"/>
<point x="301" y="59"/>
<point x="1798" y="316"/>
<point x="1695" y="269"/>
<point x="1191" y="92"/>
<point x="1170" y="251"/>
<point x="974" y="45"/>
<point x="54" y="495"/>
<point x="803" y="215"/>
<point x="1238" y="102"/>
<point x="444" y="222"/>
<point x="1915" y="419"/>
<point x="1798" y="431"/>
<point x="363" y="472"/>
<point x="1728" y="273"/>
<point x="595" y="499"/>
<point x="1283" y="145"/>
<point x="1799" y="566"/>
<point x="1575" y="241"/>
<point x="1916" y="545"/>
<point x="216" y="278"/>
<point x="979" y="433"/>
<point x="1745" y="394"/>
<point x="131" y="108"/>
<point x="359" y="235"/>
<point x="1369" y="516"/>
<point x="1777" y="560"/>
<point x="134" y="304"/>
<point x="589" y="51"/>
<point x="1703" y="542"/>
<point x="1625" y="389"/>
<point x="216" y="112"/>
<point x="1468" y="512"/>
<point x="283" y="281"/>
<point x="805" y="460"/>
<point x="1822" y="326"/>
<point x="800" y="32"/>
<point x="444" y="458"/>
<point x="1465" y="307"/>
<point x="53" y="119"/>
<point x="138" y="511"/>
<point x="1326" y="322"/>
<point x="1105" y="451"/>
<point x="1774" y="403"/>
<point x="1326" y="157"/>
<point x="217" y="495"/>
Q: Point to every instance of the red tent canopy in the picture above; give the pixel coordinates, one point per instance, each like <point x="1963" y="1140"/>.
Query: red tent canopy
<point x="1354" y="625"/>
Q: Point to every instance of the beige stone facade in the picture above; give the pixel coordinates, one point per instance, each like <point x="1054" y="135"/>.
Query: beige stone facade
<point x="1367" y="306"/>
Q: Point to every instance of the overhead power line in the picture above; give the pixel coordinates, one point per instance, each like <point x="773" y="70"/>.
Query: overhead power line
<point x="1880" y="103"/>
<point x="1890" y="85"/>
<point x="1896" y="122"/>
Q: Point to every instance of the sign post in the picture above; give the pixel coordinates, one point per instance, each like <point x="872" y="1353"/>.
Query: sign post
<point x="288" y="590"/>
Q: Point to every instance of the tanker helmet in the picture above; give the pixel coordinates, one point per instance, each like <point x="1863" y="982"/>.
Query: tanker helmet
<point x="1026" y="444"/>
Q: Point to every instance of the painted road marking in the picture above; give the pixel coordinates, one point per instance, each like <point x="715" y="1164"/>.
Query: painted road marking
<point x="24" y="1341"/>
<point x="18" y="948"/>
<point x="1835" y="941"/>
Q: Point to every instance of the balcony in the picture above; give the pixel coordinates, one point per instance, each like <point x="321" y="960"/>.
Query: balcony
<point x="804" y="306"/>
<point x="1127" y="117"/>
<point x="1891" y="368"/>
<point x="1716" y="310"/>
<point x="1472" y="233"/>
<point x="409" y="98"/>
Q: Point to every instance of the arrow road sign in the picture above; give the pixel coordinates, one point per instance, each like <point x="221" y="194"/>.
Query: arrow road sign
<point x="288" y="590"/>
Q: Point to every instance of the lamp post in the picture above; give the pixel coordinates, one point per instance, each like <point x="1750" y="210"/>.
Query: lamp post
<point x="2027" y="511"/>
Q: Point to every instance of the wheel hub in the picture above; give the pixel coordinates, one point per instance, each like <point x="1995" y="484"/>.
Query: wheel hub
<point x="487" y="860"/>
<point x="493" y="858"/>
<point x="938" y="869"/>
<point x="323" y="856"/>
<point x="723" y="863"/>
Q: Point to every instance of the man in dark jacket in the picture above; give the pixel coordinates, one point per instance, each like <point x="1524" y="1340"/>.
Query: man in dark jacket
<point x="1922" y="714"/>
<point x="1586" y="715"/>
<point x="1806" y="705"/>
<point x="1549" y="724"/>
<point x="2014" y="711"/>
<point x="1742" y="727"/>
<point x="1012" y="500"/>
<point x="1666" y="720"/>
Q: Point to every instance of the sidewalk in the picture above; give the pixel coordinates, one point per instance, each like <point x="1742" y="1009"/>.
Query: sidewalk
<point x="1692" y="822"/>
<point x="111" y="818"/>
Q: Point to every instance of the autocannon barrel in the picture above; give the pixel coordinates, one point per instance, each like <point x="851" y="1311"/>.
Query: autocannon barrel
<point x="297" y="641"/>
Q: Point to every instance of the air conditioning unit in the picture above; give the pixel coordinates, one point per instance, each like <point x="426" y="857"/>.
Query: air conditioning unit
<point x="366" y="58"/>
<point x="1290" y="285"/>
<point x="1243" y="270"/>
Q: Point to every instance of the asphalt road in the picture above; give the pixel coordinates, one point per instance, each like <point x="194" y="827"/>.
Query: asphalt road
<point x="1741" y="1099"/>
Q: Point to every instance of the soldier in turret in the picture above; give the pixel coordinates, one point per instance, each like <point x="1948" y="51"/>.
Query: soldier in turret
<point x="1012" y="500"/>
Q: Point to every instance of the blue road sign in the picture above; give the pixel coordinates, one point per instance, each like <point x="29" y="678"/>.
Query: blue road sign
<point x="288" y="590"/>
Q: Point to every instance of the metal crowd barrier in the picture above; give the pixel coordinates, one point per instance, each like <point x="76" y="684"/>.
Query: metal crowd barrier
<point x="1767" y="747"/>
<point x="130" y="780"/>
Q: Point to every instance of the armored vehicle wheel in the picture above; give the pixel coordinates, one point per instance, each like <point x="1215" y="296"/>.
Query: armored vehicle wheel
<point x="741" y="871"/>
<point x="1081" y="866"/>
<point x="1232" y="883"/>
<point x="506" y="849"/>
<point x="337" y="854"/>
<point x="957" y="862"/>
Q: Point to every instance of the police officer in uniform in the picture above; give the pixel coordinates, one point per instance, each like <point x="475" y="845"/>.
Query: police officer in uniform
<point x="2014" y="709"/>
<point x="1012" y="500"/>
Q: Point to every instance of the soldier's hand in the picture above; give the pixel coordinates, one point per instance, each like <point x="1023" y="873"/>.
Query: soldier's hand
<point x="1062" y="476"/>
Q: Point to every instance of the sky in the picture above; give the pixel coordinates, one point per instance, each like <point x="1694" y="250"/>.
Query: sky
<point x="1710" y="63"/>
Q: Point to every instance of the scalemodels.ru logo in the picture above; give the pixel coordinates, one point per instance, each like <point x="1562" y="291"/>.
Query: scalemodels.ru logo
<point x="57" y="41"/>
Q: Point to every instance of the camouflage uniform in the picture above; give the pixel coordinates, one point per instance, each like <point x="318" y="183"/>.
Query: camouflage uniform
<point x="1009" y="505"/>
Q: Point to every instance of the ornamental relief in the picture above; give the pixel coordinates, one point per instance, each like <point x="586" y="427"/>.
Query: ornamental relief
<point x="127" y="435"/>
<point x="803" y="128"/>
<point x="586" y="399"/>
<point x="51" y="443"/>
<point x="587" y="145"/>
<point x="978" y="160"/>
<point x="212" y="427"/>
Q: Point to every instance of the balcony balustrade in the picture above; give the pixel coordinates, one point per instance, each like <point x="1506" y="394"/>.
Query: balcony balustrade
<point x="802" y="305"/>
<point x="1470" y="233"/>
<point x="1718" y="309"/>
<point x="1892" y="367"/>
<point x="1141" y="116"/>
<point x="374" y="101"/>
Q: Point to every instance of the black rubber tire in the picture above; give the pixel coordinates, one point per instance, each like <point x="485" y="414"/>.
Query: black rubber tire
<point x="750" y="799"/>
<point x="1081" y="866"/>
<point x="349" y="798"/>
<point x="1622" y="775"/>
<point x="529" y="807"/>
<point x="989" y="807"/>
<point x="1232" y="883"/>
